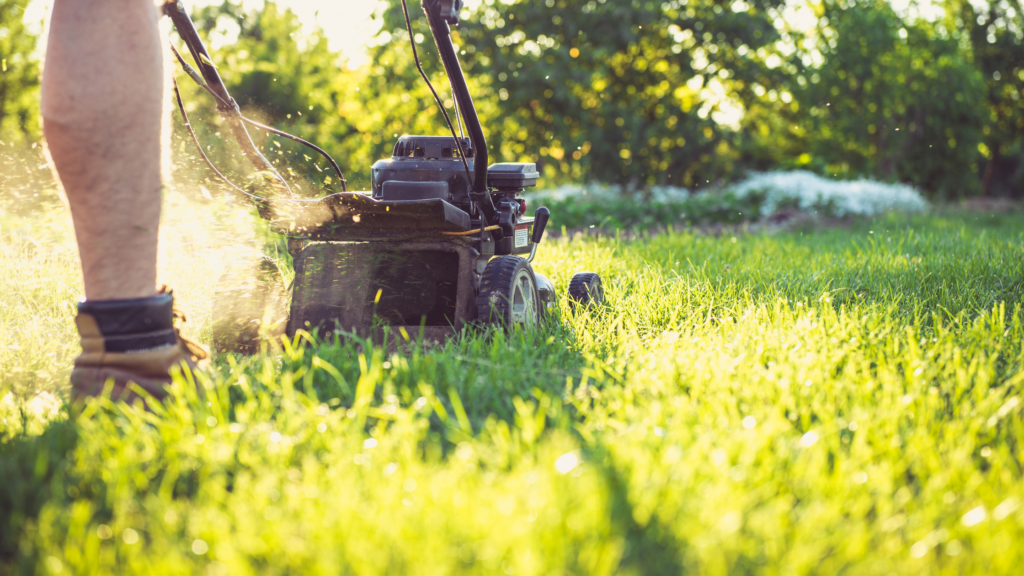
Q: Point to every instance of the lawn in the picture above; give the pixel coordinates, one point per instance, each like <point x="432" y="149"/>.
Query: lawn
<point x="814" y="401"/>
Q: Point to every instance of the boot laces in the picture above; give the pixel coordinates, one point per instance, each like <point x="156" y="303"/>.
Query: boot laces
<point x="197" y="350"/>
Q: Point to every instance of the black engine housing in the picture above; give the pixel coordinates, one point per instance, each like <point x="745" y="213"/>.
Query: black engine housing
<point x="424" y="159"/>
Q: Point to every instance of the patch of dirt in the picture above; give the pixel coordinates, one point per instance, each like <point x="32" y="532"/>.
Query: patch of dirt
<point x="987" y="204"/>
<point x="782" y="221"/>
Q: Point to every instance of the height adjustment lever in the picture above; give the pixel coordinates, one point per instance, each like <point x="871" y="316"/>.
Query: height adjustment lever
<point x="540" y="221"/>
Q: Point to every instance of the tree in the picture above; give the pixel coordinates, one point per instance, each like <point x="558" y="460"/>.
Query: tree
<point x="613" y="91"/>
<point x="995" y="35"/>
<point x="891" y="99"/>
<point x="641" y="93"/>
<point x="19" y="75"/>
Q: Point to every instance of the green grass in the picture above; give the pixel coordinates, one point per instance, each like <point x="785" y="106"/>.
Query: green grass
<point x="812" y="402"/>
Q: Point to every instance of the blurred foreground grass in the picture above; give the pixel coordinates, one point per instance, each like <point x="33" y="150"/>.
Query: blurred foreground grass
<point x="811" y="402"/>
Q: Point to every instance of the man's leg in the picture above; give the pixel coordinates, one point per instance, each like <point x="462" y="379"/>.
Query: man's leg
<point x="102" y="104"/>
<point x="103" y="113"/>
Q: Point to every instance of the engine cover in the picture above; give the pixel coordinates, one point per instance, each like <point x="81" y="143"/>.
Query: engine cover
<point x="424" y="159"/>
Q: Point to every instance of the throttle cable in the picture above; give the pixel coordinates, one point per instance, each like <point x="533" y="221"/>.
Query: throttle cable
<point x="415" y="56"/>
<point x="194" y="75"/>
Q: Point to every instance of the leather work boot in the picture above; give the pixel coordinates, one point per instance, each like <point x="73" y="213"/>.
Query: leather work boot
<point x="131" y="340"/>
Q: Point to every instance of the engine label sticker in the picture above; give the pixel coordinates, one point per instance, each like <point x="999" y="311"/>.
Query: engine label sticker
<point x="522" y="236"/>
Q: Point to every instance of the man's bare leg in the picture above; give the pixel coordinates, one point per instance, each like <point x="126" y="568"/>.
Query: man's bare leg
<point x="103" y="108"/>
<point x="103" y="114"/>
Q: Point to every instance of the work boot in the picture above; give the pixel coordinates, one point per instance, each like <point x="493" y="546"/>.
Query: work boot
<point x="131" y="340"/>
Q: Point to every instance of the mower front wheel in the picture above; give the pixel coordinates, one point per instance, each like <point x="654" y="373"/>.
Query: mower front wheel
<point x="585" y="290"/>
<point x="508" y="293"/>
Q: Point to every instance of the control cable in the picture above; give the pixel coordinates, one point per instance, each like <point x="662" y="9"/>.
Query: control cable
<point x="415" y="56"/>
<point x="194" y="75"/>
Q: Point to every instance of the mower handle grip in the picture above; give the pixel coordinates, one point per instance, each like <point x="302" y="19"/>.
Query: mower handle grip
<point x="540" y="220"/>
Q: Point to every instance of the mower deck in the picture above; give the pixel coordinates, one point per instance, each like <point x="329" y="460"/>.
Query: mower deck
<point x="355" y="216"/>
<point x="362" y="286"/>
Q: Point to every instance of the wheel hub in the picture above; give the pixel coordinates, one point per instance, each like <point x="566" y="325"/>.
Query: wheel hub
<point x="524" y="305"/>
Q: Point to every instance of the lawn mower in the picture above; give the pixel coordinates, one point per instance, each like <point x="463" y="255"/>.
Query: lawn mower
<point x="442" y="241"/>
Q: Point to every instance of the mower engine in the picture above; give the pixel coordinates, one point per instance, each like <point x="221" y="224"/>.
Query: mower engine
<point x="428" y="167"/>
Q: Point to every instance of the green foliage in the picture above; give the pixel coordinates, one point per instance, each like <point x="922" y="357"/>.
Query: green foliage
<point x="637" y="93"/>
<point x="609" y="92"/>
<point x="284" y="78"/>
<point x="996" y="39"/>
<point x="892" y="100"/>
<point x="25" y="181"/>
<point x="825" y="402"/>
<point x="19" y="75"/>
<point x="619" y="93"/>
<point x="32" y="466"/>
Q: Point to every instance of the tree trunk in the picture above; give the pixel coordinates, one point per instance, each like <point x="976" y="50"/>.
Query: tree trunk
<point x="986" y="182"/>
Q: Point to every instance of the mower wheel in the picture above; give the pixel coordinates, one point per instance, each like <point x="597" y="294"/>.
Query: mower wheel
<point x="546" y="292"/>
<point x="508" y="293"/>
<point x="585" y="290"/>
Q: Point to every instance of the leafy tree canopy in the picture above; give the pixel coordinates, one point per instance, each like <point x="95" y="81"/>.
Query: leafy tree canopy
<point x="634" y="92"/>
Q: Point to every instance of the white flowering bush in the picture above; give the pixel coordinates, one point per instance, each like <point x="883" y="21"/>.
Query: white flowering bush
<point x="809" y="192"/>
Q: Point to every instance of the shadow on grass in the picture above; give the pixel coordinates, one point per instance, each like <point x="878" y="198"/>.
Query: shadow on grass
<point x="33" y="469"/>
<point x="486" y="369"/>
<point x="651" y="549"/>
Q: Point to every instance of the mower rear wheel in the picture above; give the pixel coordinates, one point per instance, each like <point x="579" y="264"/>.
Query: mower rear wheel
<point x="585" y="290"/>
<point x="508" y="293"/>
